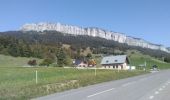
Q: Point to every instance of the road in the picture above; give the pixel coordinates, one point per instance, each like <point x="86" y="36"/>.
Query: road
<point x="154" y="86"/>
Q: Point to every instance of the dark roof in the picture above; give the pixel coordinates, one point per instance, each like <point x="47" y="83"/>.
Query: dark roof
<point x="78" y="61"/>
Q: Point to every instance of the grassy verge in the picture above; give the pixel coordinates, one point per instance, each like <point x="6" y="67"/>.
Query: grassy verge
<point x="137" y="59"/>
<point x="19" y="83"/>
<point x="8" y="61"/>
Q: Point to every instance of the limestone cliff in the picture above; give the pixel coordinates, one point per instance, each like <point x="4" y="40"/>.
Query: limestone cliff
<point x="95" y="32"/>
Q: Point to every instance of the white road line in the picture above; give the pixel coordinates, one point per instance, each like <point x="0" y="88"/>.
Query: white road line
<point x="143" y="79"/>
<point x="156" y="92"/>
<point x="151" y="97"/>
<point x="160" y="89"/>
<point x="124" y="85"/>
<point x="163" y="86"/>
<point x="100" y="92"/>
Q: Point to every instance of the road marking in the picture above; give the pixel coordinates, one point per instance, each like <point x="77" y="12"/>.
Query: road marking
<point x="143" y="79"/>
<point x="100" y="92"/>
<point x="156" y="92"/>
<point x="151" y="97"/>
<point x="124" y="85"/>
<point x="163" y="86"/>
<point x="160" y="89"/>
<point x="166" y="84"/>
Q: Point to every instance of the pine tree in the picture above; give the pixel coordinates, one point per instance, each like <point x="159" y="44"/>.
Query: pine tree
<point x="61" y="58"/>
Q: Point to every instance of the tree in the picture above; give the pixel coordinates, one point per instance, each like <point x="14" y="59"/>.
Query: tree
<point x="46" y="62"/>
<point x="68" y="60"/>
<point x="89" y="55"/>
<point x="13" y="50"/>
<point x="49" y="59"/>
<point x="61" y="58"/>
<point x="167" y="59"/>
<point x="25" y="50"/>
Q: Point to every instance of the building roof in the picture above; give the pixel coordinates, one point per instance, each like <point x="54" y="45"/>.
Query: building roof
<point x="79" y="61"/>
<point x="114" y="59"/>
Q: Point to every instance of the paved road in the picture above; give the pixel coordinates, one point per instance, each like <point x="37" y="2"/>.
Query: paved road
<point x="154" y="86"/>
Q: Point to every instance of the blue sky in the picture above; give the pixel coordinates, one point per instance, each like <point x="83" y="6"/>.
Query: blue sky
<point x="147" y="19"/>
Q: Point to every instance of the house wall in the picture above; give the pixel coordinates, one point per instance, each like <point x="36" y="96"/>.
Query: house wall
<point x="82" y="65"/>
<point x="124" y="66"/>
<point x="116" y="66"/>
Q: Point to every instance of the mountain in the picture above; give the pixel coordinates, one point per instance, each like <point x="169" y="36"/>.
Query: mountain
<point x="94" y="32"/>
<point x="168" y="48"/>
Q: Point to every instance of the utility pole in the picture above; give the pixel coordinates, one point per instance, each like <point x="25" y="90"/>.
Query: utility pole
<point x="130" y="63"/>
<point x="95" y="71"/>
<point x="36" y="77"/>
<point x="145" y="65"/>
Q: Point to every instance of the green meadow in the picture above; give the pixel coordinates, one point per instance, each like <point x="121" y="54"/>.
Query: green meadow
<point x="137" y="59"/>
<point x="18" y="82"/>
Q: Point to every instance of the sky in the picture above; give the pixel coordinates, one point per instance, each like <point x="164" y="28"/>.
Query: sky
<point x="147" y="19"/>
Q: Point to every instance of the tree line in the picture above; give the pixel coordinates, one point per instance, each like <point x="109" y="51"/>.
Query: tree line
<point x="48" y="45"/>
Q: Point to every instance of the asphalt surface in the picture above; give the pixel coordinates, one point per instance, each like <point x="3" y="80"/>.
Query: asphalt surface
<point x="154" y="86"/>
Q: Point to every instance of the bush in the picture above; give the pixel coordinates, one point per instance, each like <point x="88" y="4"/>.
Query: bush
<point x="46" y="62"/>
<point x="32" y="62"/>
<point x="54" y="65"/>
<point x="167" y="59"/>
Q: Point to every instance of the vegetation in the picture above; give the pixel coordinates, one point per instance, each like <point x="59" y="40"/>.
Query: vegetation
<point x="19" y="83"/>
<point x="8" y="61"/>
<point x="32" y="62"/>
<point x="51" y="48"/>
<point x="137" y="59"/>
<point x="37" y="44"/>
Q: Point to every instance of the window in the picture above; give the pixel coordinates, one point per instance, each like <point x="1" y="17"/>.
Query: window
<point x="107" y="61"/>
<point x="115" y="60"/>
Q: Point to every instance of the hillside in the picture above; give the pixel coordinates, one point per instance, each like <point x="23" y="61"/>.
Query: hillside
<point x="50" y="45"/>
<point x="9" y="61"/>
<point x="80" y="41"/>
<point x="137" y="58"/>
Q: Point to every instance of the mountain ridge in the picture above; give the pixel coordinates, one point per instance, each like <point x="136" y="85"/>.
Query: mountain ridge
<point x="94" y="32"/>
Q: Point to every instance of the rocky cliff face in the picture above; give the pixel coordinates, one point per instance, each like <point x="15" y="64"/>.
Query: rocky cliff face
<point x="168" y="48"/>
<point x="95" y="32"/>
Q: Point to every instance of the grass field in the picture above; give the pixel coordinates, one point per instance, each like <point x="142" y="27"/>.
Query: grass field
<point x="137" y="59"/>
<point x="8" y="61"/>
<point x="19" y="83"/>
